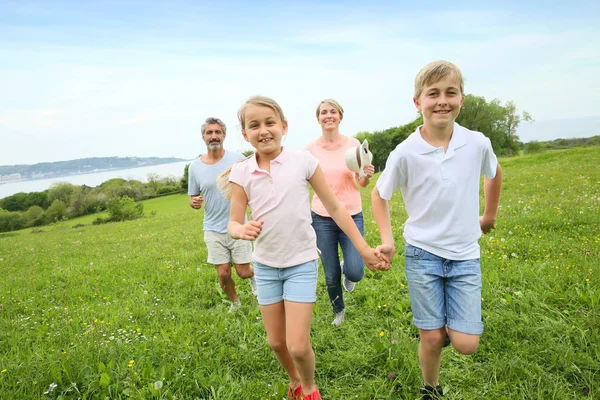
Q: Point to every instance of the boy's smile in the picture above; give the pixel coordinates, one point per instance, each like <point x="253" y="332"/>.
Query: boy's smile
<point x="440" y="102"/>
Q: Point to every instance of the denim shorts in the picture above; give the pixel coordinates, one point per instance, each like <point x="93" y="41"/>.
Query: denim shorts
<point x="297" y="283"/>
<point x="443" y="292"/>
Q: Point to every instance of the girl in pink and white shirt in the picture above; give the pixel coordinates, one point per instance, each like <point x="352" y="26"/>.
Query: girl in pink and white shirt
<point x="274" y="184"/>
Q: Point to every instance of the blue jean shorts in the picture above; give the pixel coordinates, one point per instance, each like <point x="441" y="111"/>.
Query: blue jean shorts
<point x="297" y="283"/>
<point x="443" y="292"/>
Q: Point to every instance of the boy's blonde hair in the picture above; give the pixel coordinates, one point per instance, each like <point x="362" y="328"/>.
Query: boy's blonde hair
<point x="223" y="179"/>
<point x="436" y="71"/>
<point x="260" y="101"/>
<point x="334" y="104"/>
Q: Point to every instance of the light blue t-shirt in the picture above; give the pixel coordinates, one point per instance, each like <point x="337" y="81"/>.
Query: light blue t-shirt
<point x="202" y="179"/>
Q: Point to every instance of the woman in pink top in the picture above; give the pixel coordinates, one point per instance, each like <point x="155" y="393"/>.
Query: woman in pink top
<point x="330" y="150"/>
<point x="273" y="183"/>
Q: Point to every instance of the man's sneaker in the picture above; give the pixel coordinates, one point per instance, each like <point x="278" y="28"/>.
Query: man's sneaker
<point x="431" y="393"/>
<point x="347" y="283"/>
<point x="294" y="394"/>
<point x="339" y="318"/>
<point x="315" y="395"/>
<point x="253" y="286"/>
<point x="234" y="306"/>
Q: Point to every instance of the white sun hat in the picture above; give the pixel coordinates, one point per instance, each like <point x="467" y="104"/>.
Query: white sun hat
<point x="357" y="157"/>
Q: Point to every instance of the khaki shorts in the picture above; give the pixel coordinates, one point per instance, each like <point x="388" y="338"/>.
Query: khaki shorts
<point x="222" y="249"/>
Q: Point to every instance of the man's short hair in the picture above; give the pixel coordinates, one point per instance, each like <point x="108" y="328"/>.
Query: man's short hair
<point x="211" y="120"/>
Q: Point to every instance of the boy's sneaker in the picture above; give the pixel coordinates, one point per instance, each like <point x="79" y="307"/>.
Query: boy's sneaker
<point x="253" y="286"/>
<point x="339" y="318"/>
<point x="313" y="396"/>
<point x="234" y="306"/>
<point x="294" y="394"/>
<point x="431" y="393"/>
<point x="347" y="283"/>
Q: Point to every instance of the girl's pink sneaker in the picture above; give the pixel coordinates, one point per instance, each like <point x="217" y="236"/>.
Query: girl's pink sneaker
<point x="313" y="396"/>
<point x="294" y="394"/>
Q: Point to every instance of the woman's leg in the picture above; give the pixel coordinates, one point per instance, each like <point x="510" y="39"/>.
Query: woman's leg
<point x="328" y="234"/>
<point x="354" y="268"/>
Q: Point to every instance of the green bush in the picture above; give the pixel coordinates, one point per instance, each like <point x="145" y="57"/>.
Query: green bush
<point x="12" y="221"/>
<point x="124" y="208"/>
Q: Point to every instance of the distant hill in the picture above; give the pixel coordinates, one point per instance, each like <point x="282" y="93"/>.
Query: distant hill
<point x="559" y="129"/>
<point x="79" y="166"/>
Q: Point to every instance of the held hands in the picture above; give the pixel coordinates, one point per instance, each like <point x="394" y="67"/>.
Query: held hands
<point x="375" y="260"/>
<point x="196" y="201"/>
<point x="250" y="230"/>
<point x="387" y="250"/>
<point x="487" y="224"/>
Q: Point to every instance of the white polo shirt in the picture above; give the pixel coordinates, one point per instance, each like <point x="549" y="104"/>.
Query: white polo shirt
<point x="441" y="190"/>
<point x="280" y="198"/>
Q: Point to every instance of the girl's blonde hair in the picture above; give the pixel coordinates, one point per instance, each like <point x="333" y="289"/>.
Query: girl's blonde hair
<point x="436" y="71"/>
<point x="334" y="104"/>
<point x="260" y="101"/>
<point x="223" y="180"/>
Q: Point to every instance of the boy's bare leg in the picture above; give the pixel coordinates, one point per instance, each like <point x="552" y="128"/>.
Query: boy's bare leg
<point x="464" y="343"/>
<point x="298" y="320"/>
<point x="430" y="354"/>
<point x="274" y="320"/>
<point x="226" y="282"/>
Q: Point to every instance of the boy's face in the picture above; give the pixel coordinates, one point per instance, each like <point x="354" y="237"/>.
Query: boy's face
<point x="440" y="102"/>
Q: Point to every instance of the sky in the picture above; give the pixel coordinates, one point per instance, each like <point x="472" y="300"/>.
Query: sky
<point x="137" y="78"/>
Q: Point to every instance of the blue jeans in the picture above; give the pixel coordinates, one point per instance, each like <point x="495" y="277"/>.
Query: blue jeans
<point x="443" y="292"/>
<point x="329" y="235"/>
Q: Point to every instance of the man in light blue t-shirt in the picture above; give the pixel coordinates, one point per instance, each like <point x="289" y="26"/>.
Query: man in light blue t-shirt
<point x="202" y="187"/>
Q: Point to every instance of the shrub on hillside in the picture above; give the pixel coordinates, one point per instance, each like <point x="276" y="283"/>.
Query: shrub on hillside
<point x="12" y="221"/>
<point x="124" y="208"/>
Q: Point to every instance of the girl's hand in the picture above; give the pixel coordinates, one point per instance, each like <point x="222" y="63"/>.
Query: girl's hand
<point x="374" y="260"/>
<point x="250" y="230"/>
<point x="388" y="250"/>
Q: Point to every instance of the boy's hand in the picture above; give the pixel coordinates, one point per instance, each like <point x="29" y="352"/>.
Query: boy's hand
<point x="487" y="223"/>
<point x="388" y="250"/>
<point x="375" y="261"/>
<point x="250" y="230"/>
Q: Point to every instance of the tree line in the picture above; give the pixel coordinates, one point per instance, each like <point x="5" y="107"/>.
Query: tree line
<point x="496" y="121"/>
<point x="64" y="200"/>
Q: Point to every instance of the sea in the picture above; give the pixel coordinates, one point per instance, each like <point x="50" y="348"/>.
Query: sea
<point x="94" y="178"/>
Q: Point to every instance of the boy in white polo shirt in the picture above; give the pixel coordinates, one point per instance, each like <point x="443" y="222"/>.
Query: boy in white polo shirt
<point x="438" y="170"/>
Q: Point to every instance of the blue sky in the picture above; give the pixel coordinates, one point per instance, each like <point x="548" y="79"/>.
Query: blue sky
<point x="137" y="78"/>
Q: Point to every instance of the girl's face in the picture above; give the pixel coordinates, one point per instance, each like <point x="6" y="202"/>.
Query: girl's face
<point x="329" y="117"/>
<point x="264" y="129"/>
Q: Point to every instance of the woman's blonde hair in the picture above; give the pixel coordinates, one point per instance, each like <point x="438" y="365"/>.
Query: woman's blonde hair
<point x="436" y="71"/>
<point x="334" y="104"/>
<point x="223" y="179"/>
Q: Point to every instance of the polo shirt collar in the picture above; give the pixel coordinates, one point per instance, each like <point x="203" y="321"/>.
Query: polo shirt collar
<point x="281" y="158"/>
<point x="459" y="139"/>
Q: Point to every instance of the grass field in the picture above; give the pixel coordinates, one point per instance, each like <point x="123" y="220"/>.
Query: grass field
<point x="132" y="310"/>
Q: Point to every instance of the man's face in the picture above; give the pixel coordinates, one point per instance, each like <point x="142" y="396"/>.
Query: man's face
<point x="213" y="137"/>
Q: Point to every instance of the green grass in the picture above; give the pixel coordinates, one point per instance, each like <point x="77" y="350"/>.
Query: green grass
<point x="132" y="310"/>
